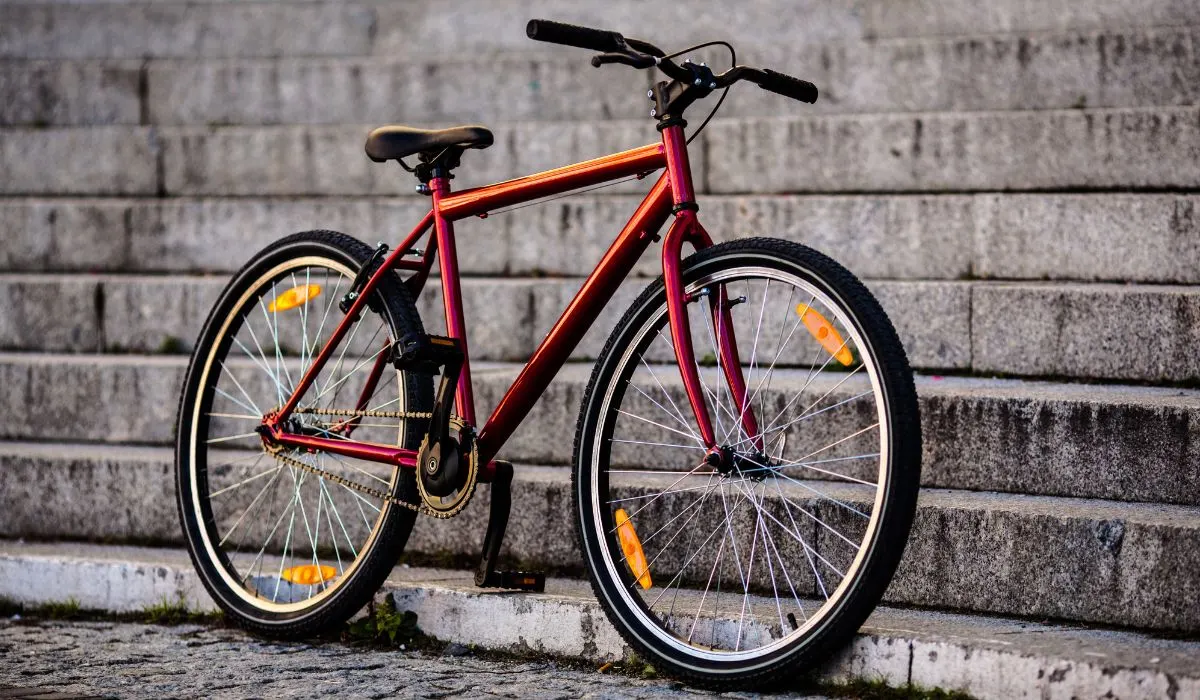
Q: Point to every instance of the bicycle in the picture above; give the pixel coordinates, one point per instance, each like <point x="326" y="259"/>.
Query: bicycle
<point x="737" y="519"/>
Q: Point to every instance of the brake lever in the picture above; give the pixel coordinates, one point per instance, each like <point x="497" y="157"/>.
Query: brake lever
<point x="635" y="60"/>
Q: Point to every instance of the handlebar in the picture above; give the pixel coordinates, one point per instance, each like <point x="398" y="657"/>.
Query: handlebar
<point x="636" y="53"/>
<point x="788" y="86"/>
<point x="572" y="35"/>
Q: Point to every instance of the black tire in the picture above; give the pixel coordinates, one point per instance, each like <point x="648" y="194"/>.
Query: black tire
<point x="391" y="307"/>
<point x="837" y="622"/>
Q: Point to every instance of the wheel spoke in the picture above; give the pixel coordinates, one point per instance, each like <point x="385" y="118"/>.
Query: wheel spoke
<point x="743" y="539"/>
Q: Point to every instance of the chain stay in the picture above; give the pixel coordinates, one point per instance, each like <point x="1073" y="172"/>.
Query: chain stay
<point x="355" y="486"/>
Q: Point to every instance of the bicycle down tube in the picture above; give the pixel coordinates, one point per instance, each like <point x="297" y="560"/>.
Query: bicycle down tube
<point x="671" y="194"/>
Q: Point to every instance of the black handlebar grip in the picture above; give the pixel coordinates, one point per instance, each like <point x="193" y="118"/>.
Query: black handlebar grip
<point x="788" y="86"/>
<point x="571" y="35"/>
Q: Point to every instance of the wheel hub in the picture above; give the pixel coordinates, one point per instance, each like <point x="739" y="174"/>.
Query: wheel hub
<point x="751" y="465"/>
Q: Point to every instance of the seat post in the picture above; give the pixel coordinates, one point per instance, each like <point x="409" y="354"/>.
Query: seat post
<point x="456" y="326"/>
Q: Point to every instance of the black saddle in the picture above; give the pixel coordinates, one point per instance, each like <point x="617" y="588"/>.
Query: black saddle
<point x="394" y="142"/>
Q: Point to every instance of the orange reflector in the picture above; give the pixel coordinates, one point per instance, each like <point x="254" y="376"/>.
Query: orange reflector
<point x="309" y="574"/>
<point x="825" y="334"/>
<point x="632" y="546"/>
<point x="296" y="296"/>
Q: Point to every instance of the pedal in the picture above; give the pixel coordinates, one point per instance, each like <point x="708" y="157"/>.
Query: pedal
<point x="486" y="575"/>
<point x="426" y="353"/>
<point x="533" y="581"/>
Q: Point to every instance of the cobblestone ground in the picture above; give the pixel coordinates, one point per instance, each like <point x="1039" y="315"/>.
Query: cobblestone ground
<point x="106" y="659"/>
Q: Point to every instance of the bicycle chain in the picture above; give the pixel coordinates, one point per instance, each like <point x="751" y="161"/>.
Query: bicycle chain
<point x="355" y="486"/>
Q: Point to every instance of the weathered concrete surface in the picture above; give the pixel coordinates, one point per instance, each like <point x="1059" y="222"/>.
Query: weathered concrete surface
<point x="110" y="160"/>
<point x="1068" y="558"/>
<point x="1063" y="71"/>
<point x="329" y="160"/>
<point x="128" y="660"/>
<point x="71" y="234"/>
<point x="933" y="17"/>
<point x="117" y="494"/>
<point x="1132" y="237"/>
<point x="1092" y="441"/>
<point x="482" y="26"/>
<point x="973" y="71"/>
<point x="1031" y="329"/>
<point x="490" y="26"/>
<point x="138" y="399"/>
<point x="60" y="313"/>
<point x="958" y="152"/>
<point x="1150" y="238"/>
<point x="69" y="93"/>
<point x="987" y="657"/>
<point x="137" y="30"/>
<point x="1101" y="331"/>
<point x="156" y="314"/>
<point x="882" y="237"/>
<point x="508" y="317"/>
<point x="387" y="91"/>
<point x="1150" y="147"/>
<point x="1120" y="443"/>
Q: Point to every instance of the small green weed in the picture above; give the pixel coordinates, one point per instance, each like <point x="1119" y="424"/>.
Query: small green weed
<point x="171" y="345"/>
<point x="384" y="624"/>
<point x="167" y="612"/>
<point x="65" y="610"/>
<point x="878" y="690"/>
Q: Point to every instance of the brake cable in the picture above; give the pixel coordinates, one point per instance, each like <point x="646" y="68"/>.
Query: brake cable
<point x="692" y="137"/>
<point x="732" y="62"/>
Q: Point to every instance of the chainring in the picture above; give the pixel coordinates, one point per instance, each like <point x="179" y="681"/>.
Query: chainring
<point x="467" y="490"/>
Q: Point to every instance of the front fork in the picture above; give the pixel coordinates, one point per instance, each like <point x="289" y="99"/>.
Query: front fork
<point x="686" y="228"/>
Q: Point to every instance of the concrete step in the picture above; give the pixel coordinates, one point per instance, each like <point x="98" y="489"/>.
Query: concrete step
<point x="1093" y="331"/>
<point x="987" y="657"/>
<point x="145" y="29"/>
<point x="1042" y="150"/>
<point x="1076" y="149"/>
<point x="508" y="317"/>
<point x="119" y="160"/>
<point x="1110" y="442"/>
<point x="139" y="29"/>
<point x="389" y="27"/>
<point x="70" y="93"/>
<point x="1137" y="68"/>
<point x="1130" y="237"/>
<point x="488" y="25"/>
<point x="1128" y="68"/>
<point x="487" y="91"/>
<point x="1075" y="559"/>
<point x="885" y="18"/>
<point x="1090" y="331"/>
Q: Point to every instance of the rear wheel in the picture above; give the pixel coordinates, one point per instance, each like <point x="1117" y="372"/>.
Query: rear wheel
<point x="284" y="550"/>
<point x="745" y="572"/>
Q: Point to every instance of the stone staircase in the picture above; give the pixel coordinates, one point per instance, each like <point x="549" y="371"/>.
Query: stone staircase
<point x="1018" y="183"/>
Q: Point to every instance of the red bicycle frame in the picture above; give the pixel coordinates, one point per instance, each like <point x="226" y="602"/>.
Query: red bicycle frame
<point x="671" y="195"/>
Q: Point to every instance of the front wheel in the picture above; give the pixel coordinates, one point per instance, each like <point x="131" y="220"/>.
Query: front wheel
<point x="743" y="573"/>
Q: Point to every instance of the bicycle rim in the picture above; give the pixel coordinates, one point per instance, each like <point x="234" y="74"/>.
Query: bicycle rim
<point x="283" y="539"/>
